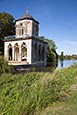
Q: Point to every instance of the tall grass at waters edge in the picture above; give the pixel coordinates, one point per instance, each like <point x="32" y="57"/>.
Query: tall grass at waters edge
<point x="30" y="93"/>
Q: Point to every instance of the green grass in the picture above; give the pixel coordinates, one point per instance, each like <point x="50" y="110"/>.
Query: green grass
<point x="67" y="107"/>
<point x="39" y="93"/>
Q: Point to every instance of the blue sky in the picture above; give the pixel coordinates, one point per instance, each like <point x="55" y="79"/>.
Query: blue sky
<point x="58" y="19"/>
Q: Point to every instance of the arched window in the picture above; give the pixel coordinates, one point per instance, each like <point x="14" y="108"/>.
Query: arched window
<point x="35" y="52"/>
<point x="21" y="30"/>
<point x="16" y="52"/>
<point x="39" y="52"/>
<point x="10" y="52"/>
<point x="24" y="52"/>
<point x="43" y="53"/>
<point x="36" y="29"/>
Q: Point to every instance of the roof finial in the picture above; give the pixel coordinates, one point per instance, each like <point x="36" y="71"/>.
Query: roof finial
<point x="27" y="11"/>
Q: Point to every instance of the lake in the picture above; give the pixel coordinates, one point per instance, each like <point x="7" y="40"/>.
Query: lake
<point x="66" y="63"/>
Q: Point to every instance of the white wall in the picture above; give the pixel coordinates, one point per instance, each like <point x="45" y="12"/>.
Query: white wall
<point x="19" y="42"/>
<point x="27" y="24"/>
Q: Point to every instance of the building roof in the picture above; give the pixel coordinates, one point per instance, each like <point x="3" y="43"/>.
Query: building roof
<point x="28" y="17"/>
<point x="13" y="38"/>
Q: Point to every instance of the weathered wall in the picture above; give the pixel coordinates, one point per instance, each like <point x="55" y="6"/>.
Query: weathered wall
<point x="28" y="43"/>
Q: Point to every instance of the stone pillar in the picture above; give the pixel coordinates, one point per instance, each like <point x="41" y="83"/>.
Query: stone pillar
<point x="6" y="51"/>
<point x="13" y="53"/>
<point x="32" y="52"/>
<point x="29" y="53"/>
<point x="17" y="30"/>
<point x="19" y="54"/>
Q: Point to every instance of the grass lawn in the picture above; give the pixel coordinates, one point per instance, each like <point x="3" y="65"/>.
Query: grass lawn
<point x="39" y="93"/>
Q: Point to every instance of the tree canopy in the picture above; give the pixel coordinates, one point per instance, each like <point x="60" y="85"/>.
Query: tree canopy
<point x="6" y="24"/>
<point x="52" y="56"/>
<point x="50" y="43"/>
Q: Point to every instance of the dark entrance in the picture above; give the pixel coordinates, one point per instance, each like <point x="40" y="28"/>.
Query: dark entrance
<point x="10" y="53"/>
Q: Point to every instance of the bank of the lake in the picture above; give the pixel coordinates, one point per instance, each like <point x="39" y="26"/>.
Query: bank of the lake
<point x="39" y="93"/>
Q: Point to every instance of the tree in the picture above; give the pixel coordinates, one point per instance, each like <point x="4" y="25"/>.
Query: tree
<point x="52" y="56"/>
<point x="62" y="56"/>
<point x="6" y="25"/>
<point x="50" y="43"/>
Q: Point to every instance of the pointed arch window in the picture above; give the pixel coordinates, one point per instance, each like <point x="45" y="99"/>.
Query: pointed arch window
<point x="21" y="30"/>
<point x="10" y="52"/>
<point x="39" y="52"/>
<point x="35" y="52"/>
<point x="43" y="53"/>
<point x="24" y="52"/>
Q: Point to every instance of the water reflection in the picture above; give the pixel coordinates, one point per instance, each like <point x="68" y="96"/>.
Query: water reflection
<point x="61" y="61"/>
<point x="65" y="63"/>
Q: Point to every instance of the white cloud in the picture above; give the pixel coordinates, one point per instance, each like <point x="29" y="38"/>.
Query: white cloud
<point x="74" y="43"/>
<point x="68" y="47"/>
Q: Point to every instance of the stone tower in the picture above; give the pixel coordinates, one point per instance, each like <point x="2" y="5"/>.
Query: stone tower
<point x="27" y="26"/>
<point x="25" y="47"/>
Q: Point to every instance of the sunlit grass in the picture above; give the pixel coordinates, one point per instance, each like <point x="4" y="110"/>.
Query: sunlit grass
<point x="31" y="93"/>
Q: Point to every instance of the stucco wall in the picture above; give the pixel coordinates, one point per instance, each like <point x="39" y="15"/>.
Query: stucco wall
<point x="28" y="43"/>
<point x="27" y="26"/>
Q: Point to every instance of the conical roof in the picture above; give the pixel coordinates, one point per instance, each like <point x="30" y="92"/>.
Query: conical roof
<point x="28" y="17"/>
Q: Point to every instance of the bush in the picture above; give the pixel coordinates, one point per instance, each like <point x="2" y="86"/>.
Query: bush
<point x="4" y="67"/>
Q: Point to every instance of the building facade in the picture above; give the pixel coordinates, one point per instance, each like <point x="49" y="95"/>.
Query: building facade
<point x="25" y="47"/>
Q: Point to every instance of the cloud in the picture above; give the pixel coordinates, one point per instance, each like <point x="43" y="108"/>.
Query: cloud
<point x="69" y="47"/>
<point x="74" y="43"/>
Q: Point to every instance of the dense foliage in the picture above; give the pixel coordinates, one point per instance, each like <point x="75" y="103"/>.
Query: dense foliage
<point x="52" y="56"/>
<point x="67" y="57"/>
<point x="6" y="24"/>
<point x="1" y="47"/>
<point x="6" y="28"/>
<point x="30" y="93"/>
<point x="4" y="67"/>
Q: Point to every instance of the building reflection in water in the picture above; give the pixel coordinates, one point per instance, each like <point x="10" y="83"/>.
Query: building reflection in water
<point x="61" y="62"/>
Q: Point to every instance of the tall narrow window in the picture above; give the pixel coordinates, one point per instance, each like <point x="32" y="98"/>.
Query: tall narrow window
<point x="35" y="29"/>
<point x="24" y="52"/>
<point x="10" y="52"/>
<point x="35" y="52"/>
<point x="39" y="52"/>
<point x="21" y="30"/>
<point x="43" y="53"/>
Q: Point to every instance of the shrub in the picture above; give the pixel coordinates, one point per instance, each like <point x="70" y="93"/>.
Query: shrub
<point x="4" y="67"/>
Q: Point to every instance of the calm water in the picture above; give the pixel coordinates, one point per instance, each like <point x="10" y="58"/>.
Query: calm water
<point x="66" y="63"/>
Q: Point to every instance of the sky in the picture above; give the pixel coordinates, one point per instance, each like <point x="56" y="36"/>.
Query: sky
<point x="57" y="18"/>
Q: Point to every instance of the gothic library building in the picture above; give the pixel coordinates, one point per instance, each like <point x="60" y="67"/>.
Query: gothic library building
<point x="25" y="47"/>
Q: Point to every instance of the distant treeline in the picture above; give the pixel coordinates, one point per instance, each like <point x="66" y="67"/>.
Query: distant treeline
<point x="67" y="57"/>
